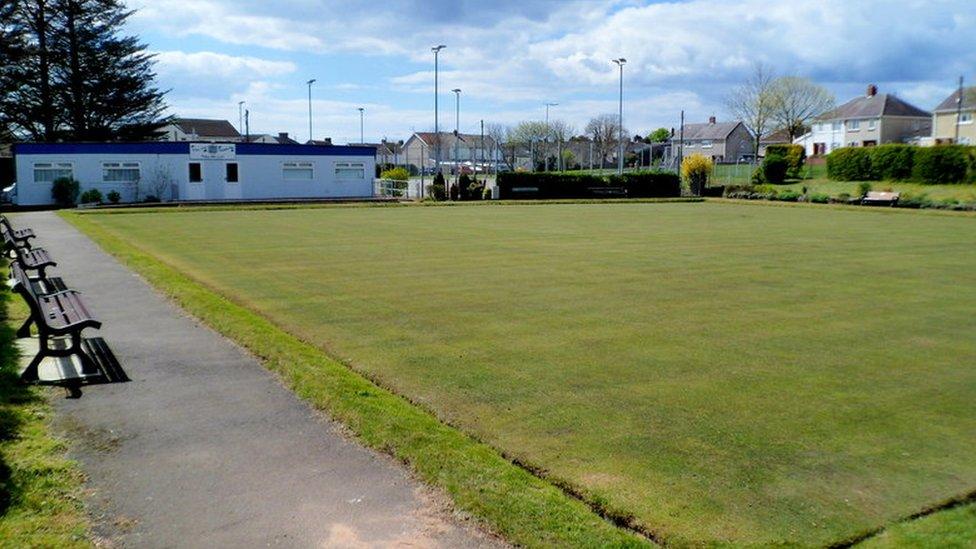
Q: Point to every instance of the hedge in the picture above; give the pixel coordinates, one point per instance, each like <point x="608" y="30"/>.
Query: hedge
<point x="939" y="164"/>
<point x="795" y="156"/>
<point x="646" y="184"/>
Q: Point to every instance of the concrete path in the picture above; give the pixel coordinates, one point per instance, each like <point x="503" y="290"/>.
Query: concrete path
<point x="204" y="448"/>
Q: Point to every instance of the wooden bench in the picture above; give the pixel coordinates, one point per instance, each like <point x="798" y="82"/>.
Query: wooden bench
<point x="60" y="318"/>
<point x="36" y="259"/>
<point x="616" y="192"/>
<point x="19" y="236"/>
<point x="880" y="198"/>
<point x="40" y="287"/>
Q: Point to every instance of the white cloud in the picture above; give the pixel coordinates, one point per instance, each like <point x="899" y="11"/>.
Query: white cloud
<point x="219" y="65"/>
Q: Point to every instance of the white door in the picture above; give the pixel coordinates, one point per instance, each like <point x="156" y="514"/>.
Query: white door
<point x="232" y="181"/>
<point x="194" y="187"/>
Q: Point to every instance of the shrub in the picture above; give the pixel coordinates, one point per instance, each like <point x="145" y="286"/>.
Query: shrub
<point x="486" y="193"/>
<point x="396" y="174"/>
<point x="151" y="198"/>
<point x="892" y="161"/>
<point x="652" y="184"/>
<point x="863" y="188"/>
<point x="819" y="198"/>
<point x="114" y="197"/>
<point x="941" y="164"/>
<point x="461" y="190"/>
<point x="64" y="191"/>
<point x="757" y="176"/>
<point x="717" y="190"/>
<point x="795" y="156"/>
<point x="788" y="196"/>
<point x="850" y="164"/>
<point x="91" y="196"/>
<point x="909" y="200"/>
<point x="696" y="169"/>
<point x="774" y="169"/>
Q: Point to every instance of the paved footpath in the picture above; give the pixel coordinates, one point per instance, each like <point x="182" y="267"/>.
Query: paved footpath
<point x="204" y="448"/>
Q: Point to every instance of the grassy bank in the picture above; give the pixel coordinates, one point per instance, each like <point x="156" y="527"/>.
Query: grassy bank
<point x="40" y="489"/>
<point x="509" y="500"/>
<point x="706" y="372"/>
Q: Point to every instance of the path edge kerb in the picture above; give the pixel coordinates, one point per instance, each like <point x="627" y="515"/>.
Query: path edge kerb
<point x="502" y="496"/>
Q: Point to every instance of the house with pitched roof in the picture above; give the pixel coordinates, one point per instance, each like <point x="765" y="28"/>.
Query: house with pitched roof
<point x="866" y="121"/>
<point x="200" y="129"/>
<point x="955" y="113"/>
<point x="720" y="141"/>
<point x="469" y="149"/>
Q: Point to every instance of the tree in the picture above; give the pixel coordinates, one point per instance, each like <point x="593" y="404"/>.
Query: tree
<point x="796" y="101"/>
<point x="78" y="77"/>
<point x="605" y="132"/>
<point x="659" y="135"/>
<point x="753" y="102"/>
<point x="498" y="134"/>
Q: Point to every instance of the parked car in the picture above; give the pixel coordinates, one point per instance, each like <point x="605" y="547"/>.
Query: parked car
<point x="8" y="194"/>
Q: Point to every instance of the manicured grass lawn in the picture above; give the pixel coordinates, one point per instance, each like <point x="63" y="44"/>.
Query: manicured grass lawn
<point x="716" y="371"/>
<point x="40" y="490"/>
<point x="950" y="529"/>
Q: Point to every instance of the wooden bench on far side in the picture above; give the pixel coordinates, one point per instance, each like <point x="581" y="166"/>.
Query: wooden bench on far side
<point x="880" y="198"/>
<point x="20" y="237"/>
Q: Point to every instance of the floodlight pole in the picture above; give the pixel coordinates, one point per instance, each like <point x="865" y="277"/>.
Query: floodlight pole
<point x="620" y="122"/>
<point x="546" y="151"/>
<point x="240" y="116"/>
<point x="362" y="141"/>
<point x="310" y="82"/>
<point x="457" y="139"/>
<point x="437" y="135"/>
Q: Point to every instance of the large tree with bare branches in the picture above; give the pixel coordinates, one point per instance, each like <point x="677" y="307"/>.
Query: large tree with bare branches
<point x="753" y="102"/>
<point x="797" y="101"/>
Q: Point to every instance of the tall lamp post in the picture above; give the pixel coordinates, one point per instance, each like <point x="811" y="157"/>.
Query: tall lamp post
<point x="620" y="121"/>
<point x="310" y="82"/>
<point x="240" y="117"/>
<point x="457" y="137"/>
<point x="546" y="151"/>
<point x="361" y="140"/>
<point x="437" y="135"/>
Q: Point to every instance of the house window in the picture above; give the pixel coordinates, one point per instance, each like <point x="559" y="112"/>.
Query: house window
<point x="966" y="118"/>
<point x="916" y="125"/>
<point x="196" y="175"/>
<point x="965" y="141"/>
<point x="835" y="126"/>
<point x="297" y="171"/>
<point x="350" y="170"/>
<point x="120" y="172"/>
<point x="47" y="172"/>
<point x="853" y="125"/>
<point x="834" y="145"/>
<point x="852" y="144"/>
<point x="872" y="124"/>
<point x="230" y="174"/>
<point x="706" y="143"/>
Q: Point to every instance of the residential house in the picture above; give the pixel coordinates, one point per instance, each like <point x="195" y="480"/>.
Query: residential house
<point x="866" y="121"/>
<point x="776" y="137"/>
<point x="387" y="152"/>
<point x="280" y="139"/>
<point x="952" y="114"/>
<point x="469" y="149"/>
<point x="720" y="141"/>
<point x="200" y="129"/>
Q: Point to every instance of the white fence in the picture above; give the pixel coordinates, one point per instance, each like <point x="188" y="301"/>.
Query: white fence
<point x="391" y="188"/>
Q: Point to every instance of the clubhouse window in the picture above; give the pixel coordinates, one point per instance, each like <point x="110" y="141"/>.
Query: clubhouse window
<point x="196" y="175"/>
<point x="48" y="172"/>
<point x="350" y="170"/>
<point x="120" y="172"/>
<point x="231" y="172"/>
<point x="297" y="171"/>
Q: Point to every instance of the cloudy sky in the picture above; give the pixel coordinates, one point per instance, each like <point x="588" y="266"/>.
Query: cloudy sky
<point x="510" y="57"/>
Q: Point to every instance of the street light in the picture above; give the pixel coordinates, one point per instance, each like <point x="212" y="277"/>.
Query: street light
<point x="240" y="117"/>
<point x="546" y="152"/>
<point x="457" y="136"/>
<point x="361" y="140"/>
<point x="620" y="122"/>
<point x="310" y="82"/>
<point x="437" y="135"/>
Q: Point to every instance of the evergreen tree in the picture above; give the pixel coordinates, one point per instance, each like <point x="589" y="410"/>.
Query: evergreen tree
<point x="79" y="77"/>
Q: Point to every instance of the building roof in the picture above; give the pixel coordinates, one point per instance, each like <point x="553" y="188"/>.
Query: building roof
<point x="448" y="137"/>
<point x="874" y="106"/>
<point x="775" y="137"/>
<point x="205" y="127"/>
<point x="184" y="147"/>
<point x="716" y="131"/>
<point x="281" y="139"/>
<point x="951" y="103"/>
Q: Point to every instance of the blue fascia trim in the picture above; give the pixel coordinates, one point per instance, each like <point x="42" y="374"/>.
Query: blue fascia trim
<point x="183" y="147"/>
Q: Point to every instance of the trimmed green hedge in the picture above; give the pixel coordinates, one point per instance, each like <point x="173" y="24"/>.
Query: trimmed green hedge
<point x="939" y="164"/>
<point x="795" y="156"/>
<point x="646" y="184"/>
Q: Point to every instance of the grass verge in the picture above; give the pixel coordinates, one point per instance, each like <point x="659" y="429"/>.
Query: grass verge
<point x="40" y="504"/>
<point x="519" y="506"/>
<point x="950" y="528"/>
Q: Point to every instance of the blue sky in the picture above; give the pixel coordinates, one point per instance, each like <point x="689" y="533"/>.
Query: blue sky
<point x="510" y="57"/>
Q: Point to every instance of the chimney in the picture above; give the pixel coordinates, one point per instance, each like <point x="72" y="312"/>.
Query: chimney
<point x="327" y="140"/>
<point x="711" y="119"/>
<point x="872" y="90"/>
<point x="283" y="136"/>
